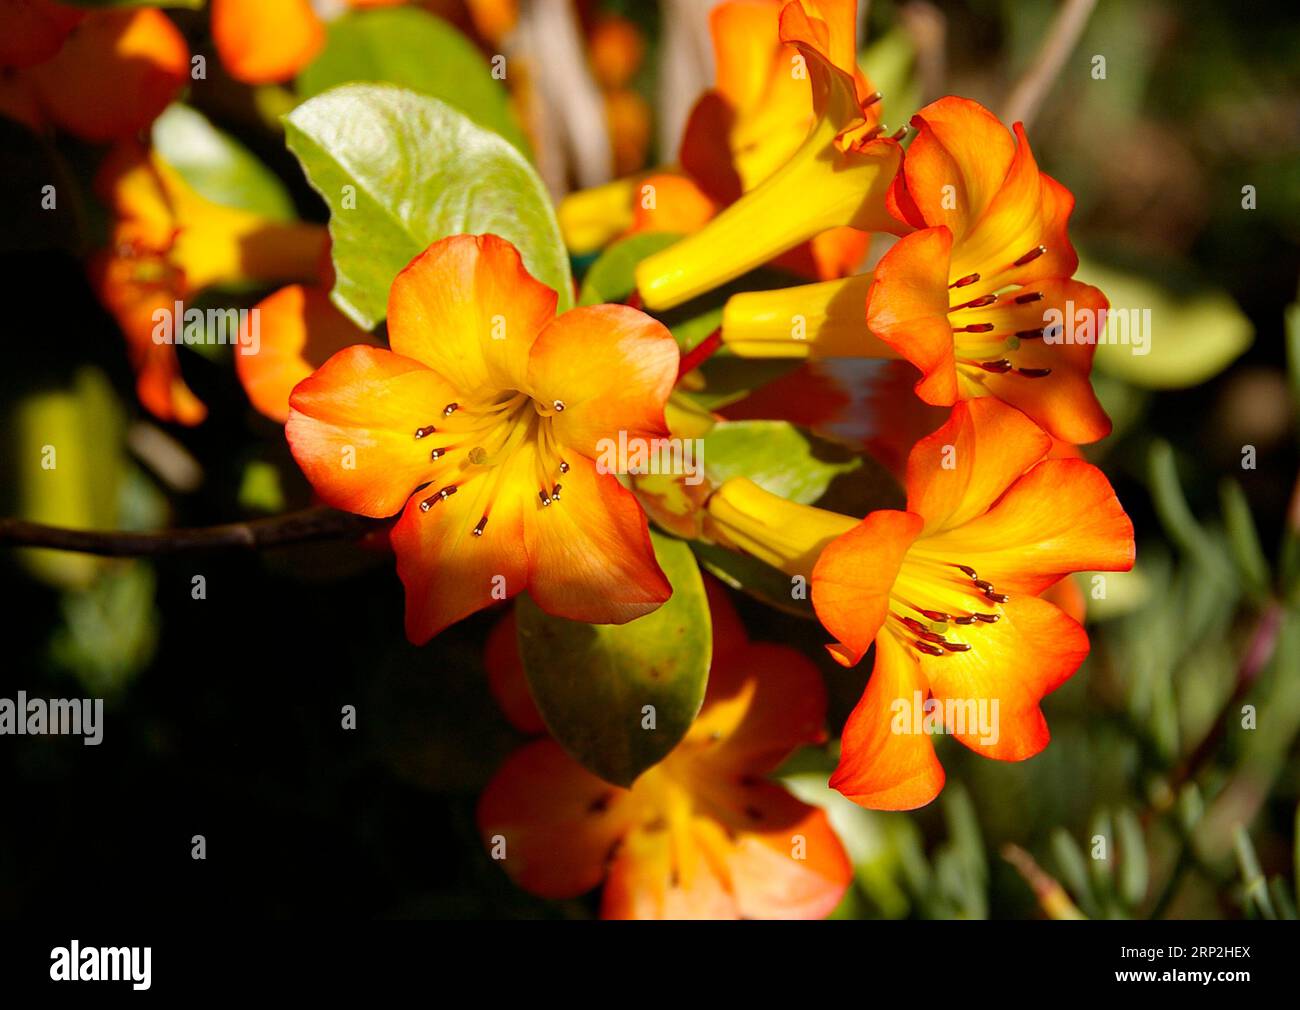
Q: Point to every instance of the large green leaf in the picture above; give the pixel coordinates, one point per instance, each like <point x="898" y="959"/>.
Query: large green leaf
<point x="401" y="170"/>
<point x="1195" y="331"/>
<point x="217" y="166"/>
<point x="412" y="48"/>
<point x="593" y="682"/>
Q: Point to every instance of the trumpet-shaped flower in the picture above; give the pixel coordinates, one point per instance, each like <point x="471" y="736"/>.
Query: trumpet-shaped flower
<point x="481" y="426"/>
<point x="949" y="592"/>
<point x="101" y="75"/>
<point x="167" y="243"/>
<point x="703" y="834"/>
<point x="979" y="298"/>
<point x="738" y="134"/>
<point x="837" y="176"/>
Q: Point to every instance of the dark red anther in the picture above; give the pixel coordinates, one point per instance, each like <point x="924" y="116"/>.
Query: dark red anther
<point x="478" y="527"/>
<point x="1030" y="334"/>
<point x="928" y="649"/>
<point x="956" y="646"/>
<point x="996" y="597"/>
<point x="1030" y="256"/>
<point x="964" y="281"/>
<point x="965" y="619"/>
<point x="424" y="432"/>
<point x="555" y="492"/>
<point x="967" y="570"/>
<point x="937" y="615"/>
<point x="545" y="498"/>
<point x="872" y="99"/>
<point x="1034" y="373"/>
<point x="978" y="303"/>
<point x="974" y="328"/>
<point x="983" y="587"/>
<point x="1028" y="297"/>
<point x="999" y="367"/>
<point x="986" y="618"/>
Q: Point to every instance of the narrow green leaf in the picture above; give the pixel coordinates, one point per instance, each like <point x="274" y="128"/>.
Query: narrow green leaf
<point x="217" y="166"/>
<point x="620" y="697"/>
<point x="401" y="170"/>
<point x="1243" y="539"/>
<point x="1133" y="867"/>
<point x="414" y="49"/>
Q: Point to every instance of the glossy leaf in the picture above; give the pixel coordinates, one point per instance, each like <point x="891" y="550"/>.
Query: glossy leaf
<point x="217" y="166"/>
<point x="412" y="48"/>
<point x="598" y="686"/>
<point x="401" y="170"/>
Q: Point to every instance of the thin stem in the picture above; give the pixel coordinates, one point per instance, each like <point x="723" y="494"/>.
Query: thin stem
<point x="309" y="525"/>
<point x="1023" y="103"/>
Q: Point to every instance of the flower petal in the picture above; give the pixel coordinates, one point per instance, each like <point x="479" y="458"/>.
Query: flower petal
<point x="448" y="572"/>
<point x="956" y="473"/>
<point x="1060" y="517"/>
<point x="663" y="873"/>
<point x="1063" y="403"/>
<point x="956" y="163"/>
<point x="506" y="678"/>
<point x="298" y="330"/>
<point x="261" y="41"/>
<point x="1026" y="655"/>
<point x="590" y="556"/>
<point x="907" y="308"/>
<point x="853" y="578"/>
<point x="114" y="74"/>
<point x="558" y="821"/>
<point x="468" y="308"/>
<point x="879" y="768"/>
<point x="352" y="427"/>
<point x="611" y="367"/>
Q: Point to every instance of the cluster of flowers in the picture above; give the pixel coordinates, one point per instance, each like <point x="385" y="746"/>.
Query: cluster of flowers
<point x="479" y="421"/>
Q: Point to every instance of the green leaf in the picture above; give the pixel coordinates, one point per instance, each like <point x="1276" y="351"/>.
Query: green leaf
<point x="754" y="578"/>
<point x="414" y="49"/>
<point x="217" y="166"/>
<point x="1243" y="538"/>
<point x="593" y="682"/>
<point x="68" y="448"/>
<point x="612" y="277"/>
<point x="1194" y="333"/>
<point x="1133" y="868"/>
<point x="418" y="171"/>
<point x="775" y="455"/>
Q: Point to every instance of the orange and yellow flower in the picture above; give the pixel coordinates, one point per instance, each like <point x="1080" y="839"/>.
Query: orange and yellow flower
<point x="738" y="134"/>
<point x="948" y="590"/>
<point x="835" y="175"/>
<point x="481" y="427"/>
<point x="970" y="296"/>
<point x="166" y="244"/>
<point x="702" y="835"/>
<point x="101" y="75"/>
